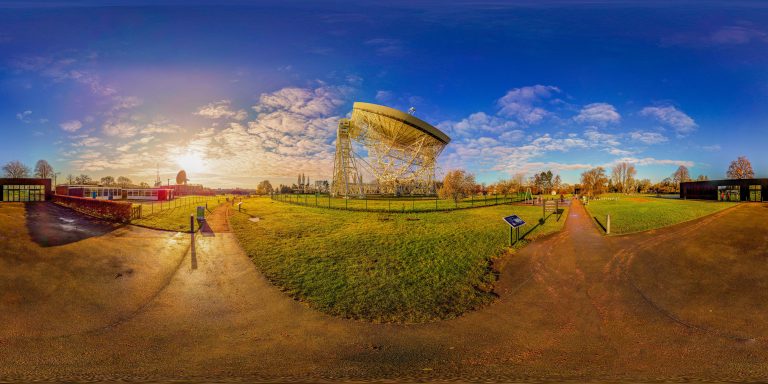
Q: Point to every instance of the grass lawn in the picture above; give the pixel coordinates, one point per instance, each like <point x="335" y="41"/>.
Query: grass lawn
<point x="396" y="204"/>
<point x="378" y="266"/>
<point x="177" y="217"/>
<point x="634" y="213"/>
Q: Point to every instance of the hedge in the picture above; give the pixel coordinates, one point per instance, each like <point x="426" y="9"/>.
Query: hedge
<point x="111" y="210"/>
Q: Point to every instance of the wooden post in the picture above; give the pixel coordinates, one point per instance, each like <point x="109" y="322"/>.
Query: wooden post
<point x="608" y="224"/>
<point x="192" y="223"/>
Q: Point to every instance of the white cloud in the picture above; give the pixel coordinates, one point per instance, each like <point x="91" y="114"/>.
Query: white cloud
<point x="479" y="123"/>
<point x="383" y="96"/>
<point x="520" y="103"/>
<point x="221" y="109"/>
<point x="724" y="35"/>
<point x="648" y="137"/>
<point x="386" y="47"/>
<point x="598" y="113"/>
<point x="598" y="138"/>
<point x="672" y="117"/>
<point x="711" y="148"/>
<point x="619" y="152"/>
<point x="650" y="161"/>
<point x="25" y="117"/>
<point x="122" y="129"/>
<point x="71" y="126"/>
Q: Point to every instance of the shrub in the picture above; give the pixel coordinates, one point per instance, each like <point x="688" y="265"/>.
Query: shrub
<point x="111" y="210"/>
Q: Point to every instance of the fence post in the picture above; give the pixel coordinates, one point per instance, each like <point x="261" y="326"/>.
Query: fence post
<point x="608" y="224"/>
<point x="191" y="223"/>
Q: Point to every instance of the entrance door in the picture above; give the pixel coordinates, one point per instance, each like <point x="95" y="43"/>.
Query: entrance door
<point x="755" y="193"/>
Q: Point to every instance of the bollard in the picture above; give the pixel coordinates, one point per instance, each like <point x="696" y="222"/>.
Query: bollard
<point x="192" y="223"/>
<point x="608" y="224"/>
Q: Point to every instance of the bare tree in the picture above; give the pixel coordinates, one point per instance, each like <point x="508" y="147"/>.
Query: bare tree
<point x="70" y="179"/>
<point x="594" y="181"/>
<point x="457" y="184"/>
<point x="124" y="182"/>
<point x="702" y="178"/>
<point x="43" y="170"/>
<point x="143" y="184"/>
<point x="15" y="170"/>
<point x="108" y="180"/>
<point x="681" y="175"/>
<point x="83" y="179"/>
<point x="740" y="168"/>
<point x="623" y="176"/>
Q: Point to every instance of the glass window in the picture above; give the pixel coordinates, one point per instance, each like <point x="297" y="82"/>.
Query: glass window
<point x="729" y="193"/>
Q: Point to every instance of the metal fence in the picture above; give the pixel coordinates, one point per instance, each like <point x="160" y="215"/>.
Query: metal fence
<point x="395" y="204"/>
<point x="150" y="207"/>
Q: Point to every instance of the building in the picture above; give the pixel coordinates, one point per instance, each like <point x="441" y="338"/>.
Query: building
<point x="725" y="190"/>
<point x="115" y="193"/>
<point x="25" y="189"/>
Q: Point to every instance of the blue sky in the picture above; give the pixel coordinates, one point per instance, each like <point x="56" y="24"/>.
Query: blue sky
<point x="239" y="92"/>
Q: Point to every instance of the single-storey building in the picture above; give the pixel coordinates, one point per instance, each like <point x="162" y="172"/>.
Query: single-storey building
<point x="25" y="189"/>
<point x="725" y="190"/>
<point x="115" y="193"/>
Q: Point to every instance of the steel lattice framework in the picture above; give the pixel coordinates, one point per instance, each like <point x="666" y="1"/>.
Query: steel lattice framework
<point x="402" y="152"/>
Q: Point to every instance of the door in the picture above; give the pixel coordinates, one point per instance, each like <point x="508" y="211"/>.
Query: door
<point x="755" y="193"/>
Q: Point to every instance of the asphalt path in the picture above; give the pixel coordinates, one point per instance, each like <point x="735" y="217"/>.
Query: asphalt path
<point x="570" y="307"/>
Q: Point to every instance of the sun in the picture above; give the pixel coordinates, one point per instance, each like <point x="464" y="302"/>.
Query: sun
<point x="191" y="162"/>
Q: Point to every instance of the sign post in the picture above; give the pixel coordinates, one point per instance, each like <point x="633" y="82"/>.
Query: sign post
<point x="514" y="222"/>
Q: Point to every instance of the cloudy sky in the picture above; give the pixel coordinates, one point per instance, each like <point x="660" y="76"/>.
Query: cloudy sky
<point x="239" y="92"/>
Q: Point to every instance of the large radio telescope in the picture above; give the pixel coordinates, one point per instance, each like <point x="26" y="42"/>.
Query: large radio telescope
<point x="402" y="152"/>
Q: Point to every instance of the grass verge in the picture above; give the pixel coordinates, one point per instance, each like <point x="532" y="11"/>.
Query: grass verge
<point x="378" y="266"/>
<point x="176" y="218"/>
<point x="641" y="213"/>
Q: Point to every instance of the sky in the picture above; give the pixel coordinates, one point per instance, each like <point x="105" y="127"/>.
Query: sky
<point x="238" y="92"/>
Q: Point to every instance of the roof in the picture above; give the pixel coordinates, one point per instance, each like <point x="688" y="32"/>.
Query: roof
<point x="406" y="118"/>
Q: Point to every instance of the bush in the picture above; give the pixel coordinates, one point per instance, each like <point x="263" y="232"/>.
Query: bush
<point x="111" y="210"/>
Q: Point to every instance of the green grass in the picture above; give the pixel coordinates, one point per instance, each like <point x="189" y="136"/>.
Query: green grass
<point x="395" y="204"/>
<point x="175" y="218"/>
<point x="635" y="213"/>
<point x="385" y="267"/>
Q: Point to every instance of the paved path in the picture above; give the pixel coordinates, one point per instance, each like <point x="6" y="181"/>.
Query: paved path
<point x="567" y="310"/>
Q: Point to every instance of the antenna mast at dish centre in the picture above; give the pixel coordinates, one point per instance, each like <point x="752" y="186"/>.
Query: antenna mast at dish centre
<point x="402" y="152"/>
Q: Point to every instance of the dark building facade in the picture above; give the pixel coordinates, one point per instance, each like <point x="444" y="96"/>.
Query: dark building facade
<point x="25" y="189"/>
<point x="725" y="190"/>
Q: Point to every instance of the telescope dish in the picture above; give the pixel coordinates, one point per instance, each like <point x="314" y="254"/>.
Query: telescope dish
<point x="402" y="152"/>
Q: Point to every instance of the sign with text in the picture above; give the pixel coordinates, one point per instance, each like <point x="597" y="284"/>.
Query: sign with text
<point x="514" y="221"/>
